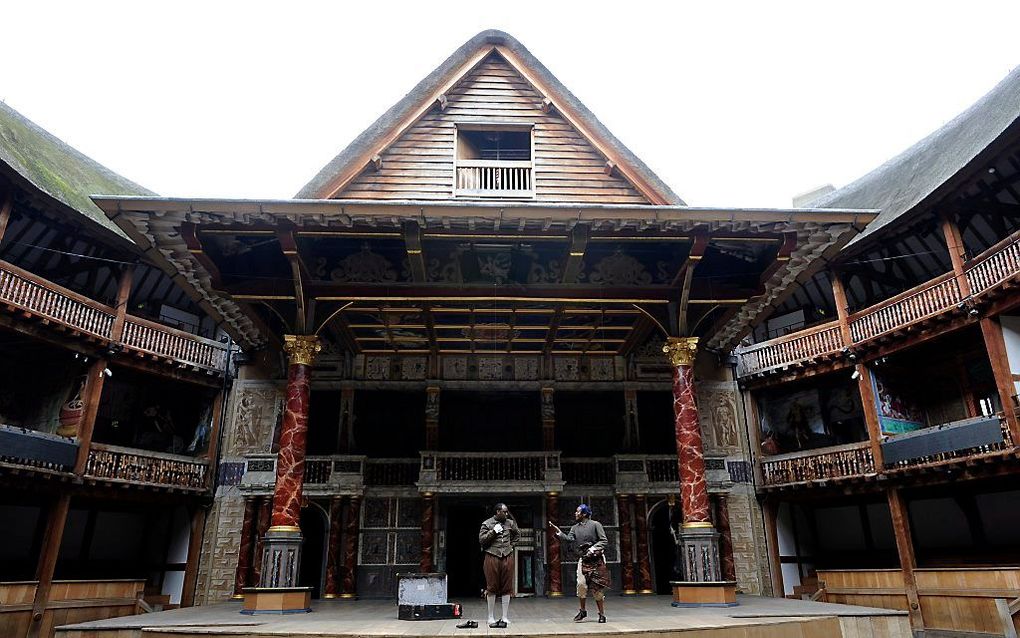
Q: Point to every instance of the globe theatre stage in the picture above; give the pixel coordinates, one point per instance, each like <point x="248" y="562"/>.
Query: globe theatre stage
<point x="755" y="617"/>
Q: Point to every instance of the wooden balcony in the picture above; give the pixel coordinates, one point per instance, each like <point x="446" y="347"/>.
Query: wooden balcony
<point x="589" y="471"/>
<point x="985" y="275"/>
<point x="811" y="466"/>
<point x="494" y="178"/>
<point x="29" y="296"/>
<point x="113" y="464"/>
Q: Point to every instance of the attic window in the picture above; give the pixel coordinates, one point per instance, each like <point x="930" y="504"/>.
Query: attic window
<point x="494" y="161"/>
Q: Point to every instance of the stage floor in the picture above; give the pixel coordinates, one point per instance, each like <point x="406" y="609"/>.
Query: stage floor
<point x="754" y="617"/>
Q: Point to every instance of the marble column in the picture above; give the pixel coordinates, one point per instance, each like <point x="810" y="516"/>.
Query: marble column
<point x="644" y="565"/>
<point x="332" y="549"/>
<point x="351" y="532"/>
<point x="552" y="545"/>
<point x="626" y="552"/>
<point x="428" y="502"/>
<point x="699" y="544"/>
<point x="281" y="557"/>
<point x="722" y="523"/>
<point x="242" y="574"/>
<point x="261" y="527"/>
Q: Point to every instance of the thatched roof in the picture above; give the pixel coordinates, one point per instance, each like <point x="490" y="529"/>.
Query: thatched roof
<point x="37" y="159"/>
<point x="925" y="171"/>
<point x="374" y="136"/>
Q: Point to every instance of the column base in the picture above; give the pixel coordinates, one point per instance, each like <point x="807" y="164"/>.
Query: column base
<point x="281" y="557"/>
<point x="277" y="600"/>
<point x="704" y="594"/>
<point x="646" y="591"/>
<point x="699" y="553"/>
<point x="555" y="594"/>
<point x="348" y="596"/>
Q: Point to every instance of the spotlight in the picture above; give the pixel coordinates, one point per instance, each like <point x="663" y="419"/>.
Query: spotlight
<point x="973" y="312"/>
<point x="856" y="375"/>
<point x="108" y="372"/>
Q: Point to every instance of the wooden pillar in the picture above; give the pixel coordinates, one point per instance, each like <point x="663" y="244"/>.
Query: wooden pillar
<point x="905" y="548"/>
<point x="770" y="514"/>
<point x="722" y="523"/>
<point x="196" y="533"/>
<point x="626" y="551"/>
<point x="842" y="307"/>
<point x="242" y="573"/>
<point x="120" y="309"/>
<point x="957" y="250"/>
<point x="94" y="380"/>
<point x="427" y="531"/>
<point x="261" y="527"/>
<point x="432" y="418"/>
<point x="345" y="431"/>
<point x="351" y="533"/>
<point x="632" y="432"/>
<point x="215" y="426"/>
<point x="332" y="549"/>
<point x="548" y="419"/>
<point x="644" y="565"/>
<point x="991" y="330"/>
<point x="552" y="546"/>
<point x="55" y="520"/>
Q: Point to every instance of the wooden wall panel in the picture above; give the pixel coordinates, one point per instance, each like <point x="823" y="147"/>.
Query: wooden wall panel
<point x="419" y="165"/>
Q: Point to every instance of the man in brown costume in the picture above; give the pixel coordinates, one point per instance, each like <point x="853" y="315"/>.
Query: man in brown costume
<point x="592" y="572"/>
<point x="497" y="537"/>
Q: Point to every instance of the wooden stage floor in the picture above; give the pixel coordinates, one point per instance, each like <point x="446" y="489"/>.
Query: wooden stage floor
<point x="754" y="617"/>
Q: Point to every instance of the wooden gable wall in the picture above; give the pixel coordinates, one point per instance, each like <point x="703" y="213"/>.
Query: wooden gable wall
<point x="419" y="165"/>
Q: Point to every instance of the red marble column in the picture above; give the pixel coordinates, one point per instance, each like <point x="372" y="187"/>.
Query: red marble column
<point x="690" y="452"/>
<point x="722" y="523"/>
<point x="261" y="527"/>
<point x="428" y="502"/>
<point x="331" y="549"/>
<point x="644" y="565"/>
<point x="242" y="575"/>
<point x="351" y="533"/>
<point x="626" y="553"/>
<point x="552" y="546"/>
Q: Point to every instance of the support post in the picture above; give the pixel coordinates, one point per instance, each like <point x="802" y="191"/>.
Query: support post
<point x="332" y="549"/>
<point x="702" y="583"/>
<point x="345" y="431"/>
<point x="626" y="551"/>
<point x="722" y="523"/>
<point x="94" y="380"/>
<point x="198" y="516"/>
<point x="427" y="531"/>
<point x="432" y="418"/>
<point x="770" y="516"/>
<point x="55" y="520"/>
<point x="215" y="425"/>
<point x="242" y="573"/>
<point x="552" y="546"/>
<point x="644" y="564"/>
<point x="995" y="345"/>
<point x="957" y="250"/>
<point x="351" y="532"/>
<point x="127" y="275"/>
<point x="278" y="591"/>
<point x="548" y="419"/>
<point x="631" y="432"/>
<point x="905" y="549"/>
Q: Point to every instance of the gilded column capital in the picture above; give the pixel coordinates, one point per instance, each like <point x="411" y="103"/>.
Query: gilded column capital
<point x="301" y="349"/>
<point x="681" y="350"/>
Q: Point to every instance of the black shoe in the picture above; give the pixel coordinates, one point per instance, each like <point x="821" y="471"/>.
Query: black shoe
<point x="602" y="618"/>
<point x="581" y="615"/>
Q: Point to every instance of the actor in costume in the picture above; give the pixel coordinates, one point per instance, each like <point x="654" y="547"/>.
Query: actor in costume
<point x="592" y="572"/>
<point x="497" y="537"/>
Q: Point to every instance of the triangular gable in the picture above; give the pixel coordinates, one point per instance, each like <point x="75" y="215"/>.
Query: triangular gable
<point x="408" y="152"/>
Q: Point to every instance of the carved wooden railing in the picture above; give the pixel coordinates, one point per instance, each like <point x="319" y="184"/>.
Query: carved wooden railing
<point x="163" y="341"/>
<point x="391" y="472"/>
<point x="797" y="346"/>
<point x="842" y="461"/>
<point x="22" y="290"/>
<point x="482" y="466"/>
<point x="929" y="299"/>
<point x="995" y="265"/>
<point x="130" y="465"/>
<point x="494" y="178"/>
<point x="588" y="471"/>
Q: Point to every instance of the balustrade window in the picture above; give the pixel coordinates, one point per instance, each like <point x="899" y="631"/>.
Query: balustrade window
<point x="494" y="160"/>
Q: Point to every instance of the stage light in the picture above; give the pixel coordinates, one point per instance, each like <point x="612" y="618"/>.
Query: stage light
<point x="856" y="375"/>
<point x="108" y="372"/>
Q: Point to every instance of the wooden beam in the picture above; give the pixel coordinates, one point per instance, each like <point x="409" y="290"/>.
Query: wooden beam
<point x="56" y="520"/>
<point x="954" y="243"/>
<point x="191" y="239"/>
<point x="6" y="210"/>
<point x="905" y="549"/>
<point x="94" y="381"/>
<point x="842" y="307"/>
<point x="685" y="278"/>
<point x="995" y="345"/>
<point x="770" y="512"/>
<point x="198" y="515"/>
<point x="870" y="407"/>
<point x="579" y="237"/>
<point x="288" y="244"/>
<point x="415" y="251"/>
<point x="127" y="275"/>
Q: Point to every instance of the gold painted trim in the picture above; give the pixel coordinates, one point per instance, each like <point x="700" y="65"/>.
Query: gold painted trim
<point x="348" y="596"/>
<point x="263" y="297"/>
<point x="697" y="525"/>
<point x="329" y="596"/>
<point x="715" y="301"/>
<point x="629" y="592"/>
<point x="301" y="349"/>
<point x="681" y="351"/>
<point x="496" y="236"/>
<point x="283" y="528"/>
<point x="496" y="297"/>
<point x="237" y="597"/>
<point x="646" y="591"/>
<point x="555" y="594"/>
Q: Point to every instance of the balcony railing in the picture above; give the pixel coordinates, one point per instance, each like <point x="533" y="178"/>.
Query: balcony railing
<point x="964" y="439"/>
<point x="28" y="448"/>
<point x="663" y="469"/>
<point x="585" y="471"/>
<point x="936" y="297"/>
<point x="23" y="291"/>
<point x="391" y="472"/>
<point x="514" y="466"/>
<point x="141" y="467"/>
<point x="494" y="178"/>
<point x="843" y="461"/>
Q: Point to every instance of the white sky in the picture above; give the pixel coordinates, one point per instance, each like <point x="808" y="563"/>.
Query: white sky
<point x="732" y="104"/>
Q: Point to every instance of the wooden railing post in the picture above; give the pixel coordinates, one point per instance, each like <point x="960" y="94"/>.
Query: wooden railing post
<point x="905" y="549"/>
<point x="991" y="330"/>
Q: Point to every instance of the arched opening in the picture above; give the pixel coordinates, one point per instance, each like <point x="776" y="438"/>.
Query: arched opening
<point x="664" y="557"/>
<point x="313" y="551"/>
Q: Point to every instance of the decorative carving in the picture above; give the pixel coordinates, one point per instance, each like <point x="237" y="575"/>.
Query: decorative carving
<point x="490" y="332"/>
<point x="255" y="415"/>
<point x="490" y="368"/>
<point x="619" y="269"/>
<point x="454" y="367"/>
<point x="566" y="369"/>
<point x="377" y="368"/>
<point x="432" y="403"/>
<point x="718" y="414"/>
<point x="413" y="368"/>
<point x="650" y="350"/>
<point x="364" y="267"/>
<point x="548" y="405"/>
<point x="600" y="369"/>
<point x="681" y="351"/>
<point x="301" y="349"/>
<point x="526" y="368"/>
